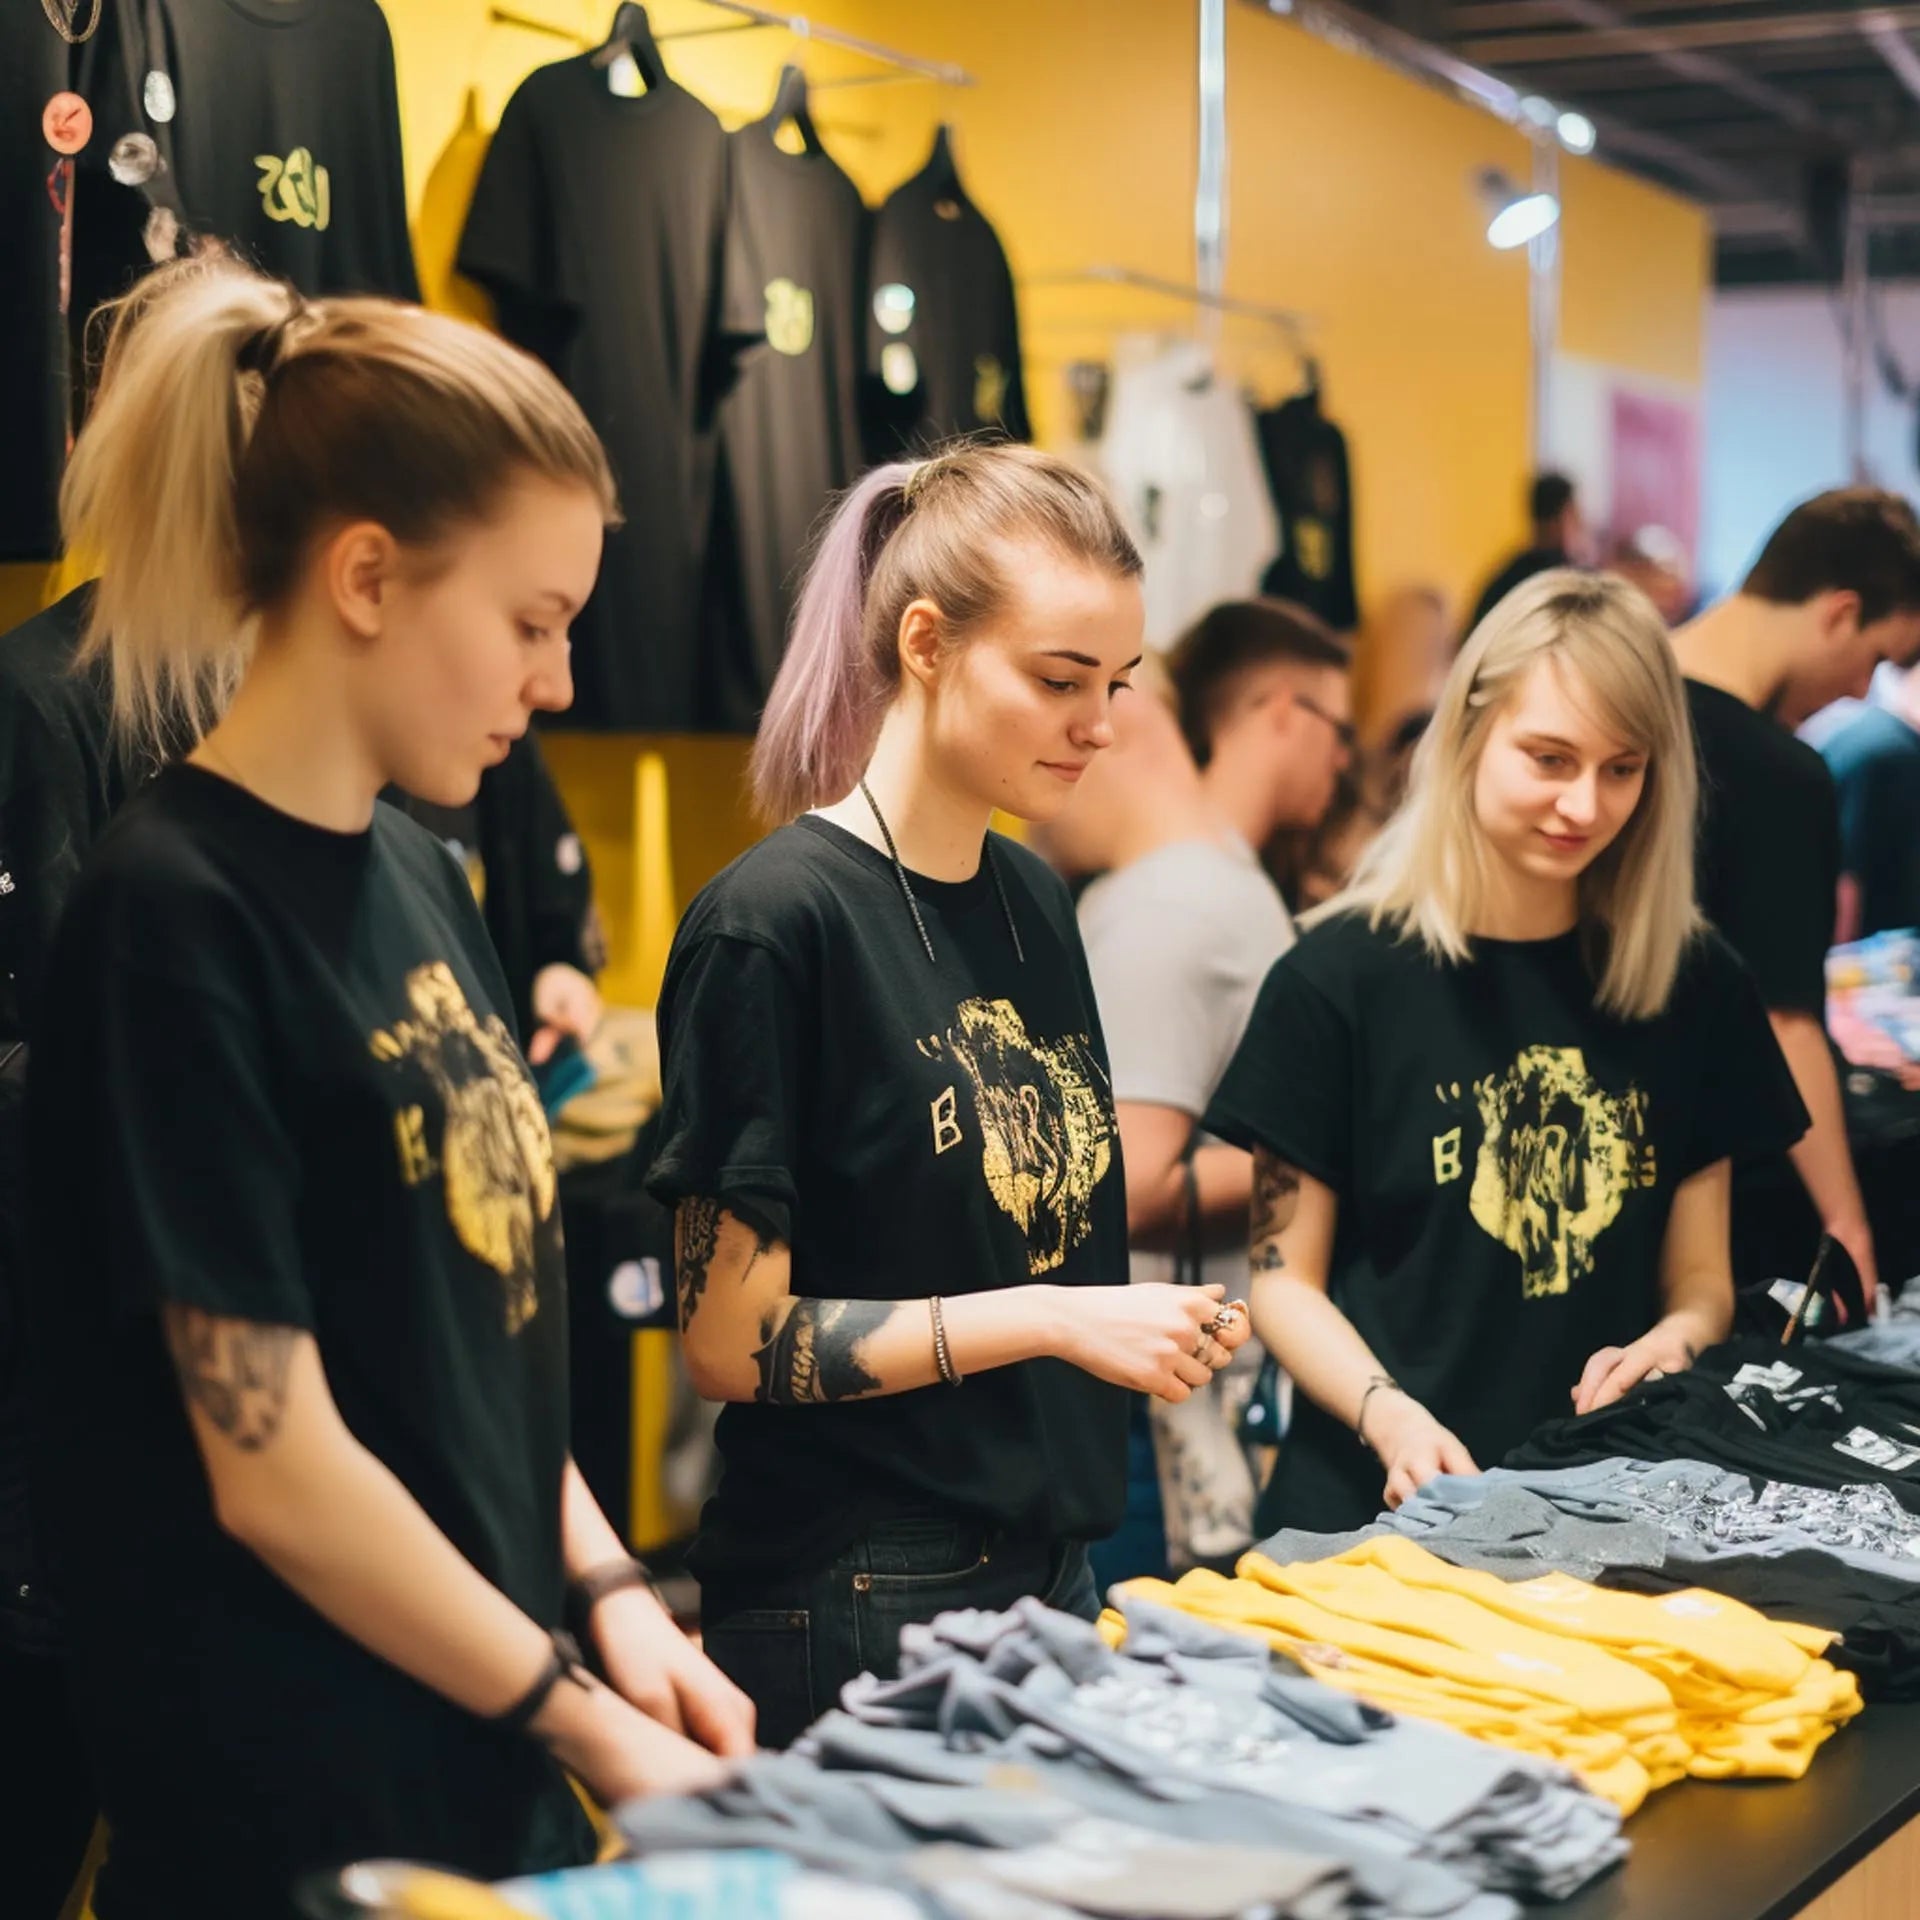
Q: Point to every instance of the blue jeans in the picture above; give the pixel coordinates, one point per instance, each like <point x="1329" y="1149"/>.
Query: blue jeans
<point x="792" y="1643"/>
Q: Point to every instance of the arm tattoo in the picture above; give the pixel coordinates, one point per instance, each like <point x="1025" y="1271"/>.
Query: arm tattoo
<point x="816" y="1355"/>
<point x="234" y="1371"/>
<point x="696" y="1236"/>
<point x="696" y="1229"/>
<point x="1276" y="1197"/>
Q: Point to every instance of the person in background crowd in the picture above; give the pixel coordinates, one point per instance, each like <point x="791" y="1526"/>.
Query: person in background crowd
<point x="1875" y="763"/>
<point x="294" y="1254"/>
<point x="1559" y="539"/>
<point x="529" y="873"/>
<point x="1655" y="561"/>
<point x="1493" y="1092"/>
<point x="1836" y="590"/>
<point x="1267" y="708"/>
<point x="1180" y="929"/>
<point x="1400" y="662"/>
<point x="887" y="1129"/>
<point x="60" y="782"/>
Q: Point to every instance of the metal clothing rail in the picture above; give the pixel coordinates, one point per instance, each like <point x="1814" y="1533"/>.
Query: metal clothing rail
<point x="1285" y="318"/>
<point x="802" y="28"/>
<point x="754" y="19"/>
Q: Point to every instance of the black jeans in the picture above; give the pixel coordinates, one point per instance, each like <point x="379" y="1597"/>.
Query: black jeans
<point x="792" y="1643"/>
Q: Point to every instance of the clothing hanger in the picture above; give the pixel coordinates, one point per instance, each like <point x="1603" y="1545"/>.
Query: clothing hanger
<point x="632" y="35"/>
<point x="942" y="170"/>
<point x="790" y="103"/>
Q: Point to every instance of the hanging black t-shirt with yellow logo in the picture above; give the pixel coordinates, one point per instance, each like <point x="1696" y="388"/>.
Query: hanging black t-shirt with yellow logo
<point x="272" y="126"/>
<point x="1505" y="1157"/>
<point x="274" y="1080"/>
<point x="943" y="331"/>
<point x="907" y="1128"/>
<point x="790" y="431"/>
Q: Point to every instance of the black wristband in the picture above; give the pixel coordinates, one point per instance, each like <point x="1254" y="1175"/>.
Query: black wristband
<point x="564" y="1663"/>
<point x="611" y="1576"/>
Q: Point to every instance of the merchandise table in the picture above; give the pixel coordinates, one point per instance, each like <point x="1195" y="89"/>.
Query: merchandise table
<point x="1842" y="1844"/>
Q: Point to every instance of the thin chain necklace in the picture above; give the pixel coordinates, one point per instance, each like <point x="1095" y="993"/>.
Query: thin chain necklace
<point x="61" y="15"/>
<point x="913" y="905"/>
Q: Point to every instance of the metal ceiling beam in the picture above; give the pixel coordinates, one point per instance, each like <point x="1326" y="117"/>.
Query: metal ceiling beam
<point x="1497" y="16"/>
<point x="1883" y="34"/>
<point x="1705" y="175"/>
<point x="1611" y="32"/>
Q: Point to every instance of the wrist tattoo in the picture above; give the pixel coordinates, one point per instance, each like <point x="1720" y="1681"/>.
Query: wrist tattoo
<point x="234" y="1371"/>
<point x="816" y="1354"/>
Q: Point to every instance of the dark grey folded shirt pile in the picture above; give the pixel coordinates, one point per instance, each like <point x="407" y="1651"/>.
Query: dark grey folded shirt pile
<point x="1679" y="1514"/>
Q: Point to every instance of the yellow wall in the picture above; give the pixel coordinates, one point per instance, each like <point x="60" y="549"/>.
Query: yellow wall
<point x="1350" y="201"/>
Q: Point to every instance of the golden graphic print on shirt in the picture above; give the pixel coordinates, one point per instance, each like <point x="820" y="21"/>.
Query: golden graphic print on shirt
<point x="1046" y="1124"/>
<point x="496" y="1157"/>
<point x="296" y="189"/>
<point x="1558" y="1157"/>
<point x="789" y="317"/>
<point x="989" y="390"/>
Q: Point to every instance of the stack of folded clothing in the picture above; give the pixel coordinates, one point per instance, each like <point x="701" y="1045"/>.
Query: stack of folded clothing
<point x="1843" y="1558"/>
<point x="1630" y="1691"/>
<point x="1019" y="1757"/>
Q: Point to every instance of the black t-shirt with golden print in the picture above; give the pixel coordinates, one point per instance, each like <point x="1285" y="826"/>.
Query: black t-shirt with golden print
<point x="1505" y="1155"/>
<point x="908" y="1128"/>
<point x="274" y="1079"/>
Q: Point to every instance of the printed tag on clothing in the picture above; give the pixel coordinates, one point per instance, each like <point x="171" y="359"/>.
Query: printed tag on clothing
<point x="1876" y="1450"/>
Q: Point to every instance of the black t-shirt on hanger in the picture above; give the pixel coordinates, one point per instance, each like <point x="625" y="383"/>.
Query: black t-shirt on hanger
<point x="599" y="225"/>
<point x="943" y="330"/>
<point x="908" y="1129"/>
<point x="791" y="429"/>
<point x="272" y="1080"/>
<point x="33" y="68"/>
<point x="1505" y="1157"/>
<point x="279" y="122"/>
<point x="1305" y="455"/>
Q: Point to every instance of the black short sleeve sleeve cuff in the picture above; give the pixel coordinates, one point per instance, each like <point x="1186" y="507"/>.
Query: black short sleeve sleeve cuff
<point x="1289" y="1088"/>
<point x="731" y="1066"/>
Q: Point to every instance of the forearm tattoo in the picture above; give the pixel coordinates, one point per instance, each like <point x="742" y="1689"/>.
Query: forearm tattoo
<point x="1276" y="1198"/>
<point x="816" y="1355"/>
<point x="696" y="1230"/>
<point x="234" y="1371"/>
<point x="696" y="1237"/>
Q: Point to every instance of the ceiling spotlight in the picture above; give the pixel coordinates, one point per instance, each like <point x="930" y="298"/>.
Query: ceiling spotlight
<point x="1576" y="133"/>
<point x="1514" y="216"/>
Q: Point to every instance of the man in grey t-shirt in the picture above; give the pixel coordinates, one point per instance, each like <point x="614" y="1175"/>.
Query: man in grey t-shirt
<point x="1180" y="930"/>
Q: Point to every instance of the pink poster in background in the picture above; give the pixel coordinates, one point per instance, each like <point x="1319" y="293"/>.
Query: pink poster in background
<point x="1656" y="467"/>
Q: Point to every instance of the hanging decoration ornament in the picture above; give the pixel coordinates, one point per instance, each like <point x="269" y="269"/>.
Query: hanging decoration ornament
<point x="158" y="96"/>
<point x="61" y="15"/>
<point x="67" y="123"/>
<point x="134" y="159"/>
<point x="162" y="235"/>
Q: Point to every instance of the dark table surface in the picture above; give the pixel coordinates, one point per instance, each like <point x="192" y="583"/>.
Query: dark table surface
<point x="1761" y="1850"/>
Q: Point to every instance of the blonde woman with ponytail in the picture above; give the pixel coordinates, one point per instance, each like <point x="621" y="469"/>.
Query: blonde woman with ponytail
<point x="300" y="1311"/>
<point x="1494" y="1092"/>
<point x="888" y="1133"/>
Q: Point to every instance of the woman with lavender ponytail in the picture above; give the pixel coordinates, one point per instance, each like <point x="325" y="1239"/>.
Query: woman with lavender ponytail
<point x="888" y="1134"/>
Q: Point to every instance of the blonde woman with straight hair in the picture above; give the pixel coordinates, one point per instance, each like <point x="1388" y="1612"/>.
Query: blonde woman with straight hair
<point x="888" y="1131"/>
<point x="1494" y="1092"/>
<point x="299" y="1295"/>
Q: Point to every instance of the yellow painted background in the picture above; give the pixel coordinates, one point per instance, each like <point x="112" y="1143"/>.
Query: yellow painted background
<point x="1350" y="202"/>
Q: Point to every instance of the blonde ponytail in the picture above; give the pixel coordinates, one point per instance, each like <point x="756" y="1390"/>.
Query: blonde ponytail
<point x="149" y="494"/>
<point x="235" y="420"/>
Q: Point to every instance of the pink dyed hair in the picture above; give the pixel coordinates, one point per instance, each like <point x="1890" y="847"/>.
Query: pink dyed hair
<point x="937" y="530"/>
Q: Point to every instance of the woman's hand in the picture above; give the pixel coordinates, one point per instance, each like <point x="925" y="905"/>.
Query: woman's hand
<point x="1411" y="1444"/>
<point x="1613" y="1372"/>
<point x="658" y="1669"/>
<point x="565" y="1002"/>
<point x="616" y="1751"/>
<point x="1157" y="1339"/>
